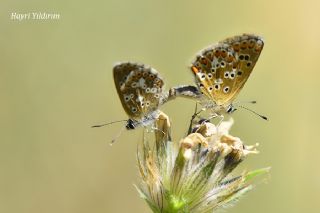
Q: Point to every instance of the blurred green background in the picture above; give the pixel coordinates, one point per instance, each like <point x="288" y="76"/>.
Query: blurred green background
<point x="56" y="81"/>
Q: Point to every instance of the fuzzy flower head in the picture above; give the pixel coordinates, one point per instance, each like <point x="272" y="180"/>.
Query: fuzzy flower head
<point x="194" y="175"/>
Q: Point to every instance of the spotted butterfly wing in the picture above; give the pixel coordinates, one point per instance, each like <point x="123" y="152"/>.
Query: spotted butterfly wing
<point x="139" y="88"/>
<point x="222" y="69"/>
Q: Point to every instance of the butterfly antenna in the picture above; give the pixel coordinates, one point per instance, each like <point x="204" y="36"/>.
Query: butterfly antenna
<point x="246" y="102"/>
<point x="117" y="136"/>
<point x="101" y="125"/>
<point x="251" y="102"/>
<point x="250" y="110"/>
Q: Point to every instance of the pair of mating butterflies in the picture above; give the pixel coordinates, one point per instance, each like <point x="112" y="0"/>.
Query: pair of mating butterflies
<point x="220" y="72"/>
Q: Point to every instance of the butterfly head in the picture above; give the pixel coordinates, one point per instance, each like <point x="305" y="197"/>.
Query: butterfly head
<point x="131" y="124"/>
<point x="230" y="109"/>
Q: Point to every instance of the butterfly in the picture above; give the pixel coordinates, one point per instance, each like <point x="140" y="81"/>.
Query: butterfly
<point x="140" y="89"/>
<point x="221" y="70"/>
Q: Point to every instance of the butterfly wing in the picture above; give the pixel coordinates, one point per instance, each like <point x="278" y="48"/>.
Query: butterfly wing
<point x="247" y="48"/>
<point x="222" y="69"/>
<point x="139" y="88"/>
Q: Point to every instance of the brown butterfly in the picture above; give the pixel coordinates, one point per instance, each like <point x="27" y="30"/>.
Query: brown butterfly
<point x="141" y="92"/>
<point x="221" y="70"/>
<point x="140" y="89"/>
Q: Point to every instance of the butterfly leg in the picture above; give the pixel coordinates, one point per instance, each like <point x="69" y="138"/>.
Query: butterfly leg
<point x="195" y="114"/>
<point x="212" y="116"/>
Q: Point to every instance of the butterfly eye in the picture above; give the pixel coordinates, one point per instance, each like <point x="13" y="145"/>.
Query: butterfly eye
<point x="210" y="89"/>
<point x="201" y="85"/>
<point x="153" y="90"/>
<point x="239" y="73"/>
<point x="147" y="103"/>
<point x="209" y="75"/>
<point x="217" y="87"/>
<point x="246" y="57"/>
<point x="241" y="57"/>
<point x="248" y="64"/>
<point x="222" y="64"/>
<point x="226" y="89"/>
<point x="226" y="74"/>
<point x="213" y="70"/>
<point x="156" y="96"/>
<point x="230" y="109"/>
<point x="148" y="90"/>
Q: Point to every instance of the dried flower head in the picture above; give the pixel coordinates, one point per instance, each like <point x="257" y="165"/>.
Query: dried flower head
<point x="194" y="175"/>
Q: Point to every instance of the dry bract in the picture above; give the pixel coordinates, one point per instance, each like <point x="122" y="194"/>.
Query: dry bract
<point x="193" y="175"/>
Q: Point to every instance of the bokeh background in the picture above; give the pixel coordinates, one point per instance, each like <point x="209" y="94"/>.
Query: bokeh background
<point x="56" y="81"/>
